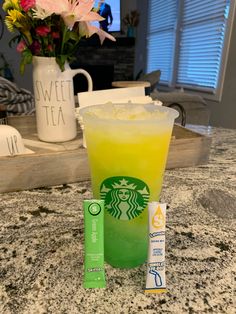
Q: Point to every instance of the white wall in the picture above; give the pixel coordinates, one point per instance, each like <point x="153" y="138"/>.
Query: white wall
<point x="140" y="48"/>
<point x="127" y="6"/>
<point x="224" y="113"/>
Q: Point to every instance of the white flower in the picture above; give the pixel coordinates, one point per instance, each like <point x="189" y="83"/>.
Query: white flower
<point x="40" y="13"/>
<point x="72" y="11"/>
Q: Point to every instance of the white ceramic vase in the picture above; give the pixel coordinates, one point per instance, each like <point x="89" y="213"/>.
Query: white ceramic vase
<point x="54" y="99"/>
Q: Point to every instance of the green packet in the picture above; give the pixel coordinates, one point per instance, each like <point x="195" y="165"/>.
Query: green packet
<point x="94" y="273"/>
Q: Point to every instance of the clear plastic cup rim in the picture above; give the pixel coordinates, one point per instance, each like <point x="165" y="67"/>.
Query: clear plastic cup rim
<point x="172" y="114"/>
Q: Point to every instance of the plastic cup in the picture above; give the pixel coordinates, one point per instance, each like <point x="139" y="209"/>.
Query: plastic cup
<point x="127" y="148"/>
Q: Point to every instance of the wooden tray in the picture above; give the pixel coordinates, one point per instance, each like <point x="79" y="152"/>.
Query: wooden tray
<point x="53" y="164"/>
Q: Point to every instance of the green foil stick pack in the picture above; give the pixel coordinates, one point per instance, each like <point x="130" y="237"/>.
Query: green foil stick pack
<point x="94" y="273"/>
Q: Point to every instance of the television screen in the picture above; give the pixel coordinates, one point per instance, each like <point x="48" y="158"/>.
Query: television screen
<point x="115" y="12"/>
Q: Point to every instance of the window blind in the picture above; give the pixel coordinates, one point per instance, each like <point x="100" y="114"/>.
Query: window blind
<point x="201" y="43"/>
<point x="185" y="40"/>
<point x="161" y="37"/>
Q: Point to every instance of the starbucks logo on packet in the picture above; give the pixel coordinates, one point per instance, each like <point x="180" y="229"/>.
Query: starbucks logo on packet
<point x="94" y="209"/>
<point x="125" y="197"/>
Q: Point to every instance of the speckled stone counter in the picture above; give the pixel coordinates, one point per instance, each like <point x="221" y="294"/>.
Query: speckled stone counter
<point x="41" y="246"/>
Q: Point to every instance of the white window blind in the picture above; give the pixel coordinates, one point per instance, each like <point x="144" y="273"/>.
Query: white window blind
<point x="201" y="42"/>
<point x="185" y="40"/>
<point x="161" y="37"/>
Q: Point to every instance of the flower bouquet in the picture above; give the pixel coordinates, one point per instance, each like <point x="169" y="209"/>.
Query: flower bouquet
<point x="49" y="32"/>
<point x="50" y="28"/>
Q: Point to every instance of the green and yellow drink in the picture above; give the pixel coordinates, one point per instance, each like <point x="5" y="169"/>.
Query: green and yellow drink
<point x="127" y="150"/>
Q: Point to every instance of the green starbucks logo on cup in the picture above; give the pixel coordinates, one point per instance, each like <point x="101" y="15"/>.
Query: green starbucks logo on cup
<point x="125" y="197"/>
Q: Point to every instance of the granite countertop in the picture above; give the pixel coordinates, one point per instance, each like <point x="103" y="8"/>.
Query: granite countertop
<point x="41" y="246"/>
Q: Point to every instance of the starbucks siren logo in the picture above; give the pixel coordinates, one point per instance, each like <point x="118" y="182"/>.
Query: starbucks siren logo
<point x="125" y="197"/>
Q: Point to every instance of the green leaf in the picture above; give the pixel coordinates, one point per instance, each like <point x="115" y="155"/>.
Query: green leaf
<point x="67" y="37"/>
<point x="28" y="59"/>
<point x="74" y="36"/>
<point x="61" y="61"/>
<point x="27" y="56"/>
<point x="22" y="66"/>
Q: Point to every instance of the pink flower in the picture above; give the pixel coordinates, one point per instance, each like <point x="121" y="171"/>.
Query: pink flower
<point x="50" y="48"/>
<point x="86" y="29"/>
<point x="42" y="30"/>
<point x="35" y="48"/>
<point x="27" y="4"/>
<point x="55" y="35"/>
<point x="21" y="46"/>
<point x="72" y="11"/>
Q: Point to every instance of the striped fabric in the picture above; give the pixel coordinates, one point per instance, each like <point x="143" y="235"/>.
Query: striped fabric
<point x="18" y="101"/>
